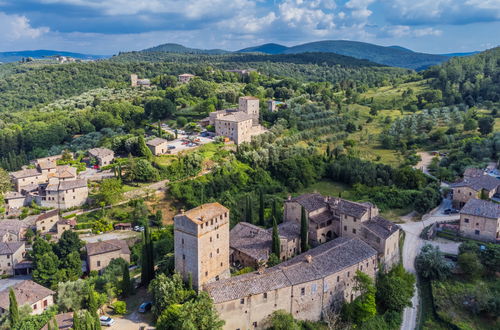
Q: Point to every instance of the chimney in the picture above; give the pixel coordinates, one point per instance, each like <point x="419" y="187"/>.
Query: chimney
<point x="261" y="270"/>
<point x="183" y="211"/>
<point x="289" y="197"/>
<point x="309" y="258"/>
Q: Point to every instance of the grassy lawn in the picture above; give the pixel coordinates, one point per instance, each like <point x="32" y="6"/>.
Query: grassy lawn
<point x="328" y="187"/>
<point x="394" y="214"/>
<point x="389" y="93"/>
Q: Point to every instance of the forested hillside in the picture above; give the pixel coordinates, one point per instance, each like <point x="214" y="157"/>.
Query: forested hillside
<point x="469" y="80"/>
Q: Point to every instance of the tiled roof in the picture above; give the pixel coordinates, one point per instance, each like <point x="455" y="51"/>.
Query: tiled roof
<point x="10" y="247"/>
<point x="288" y="229"/>
<point x="13" y="195"/>
<point x="353" y="209"/>
<point x="326" y="259"/>
<point x="47" y="215"/>
<point x="321" y="217"/>
<point x="25" y="173"/>
<point x="381" y="227"/>
<point x="186" y="75"/>
<point x="107" y="246"/>
<point x="13" y="226"/>
<point x="251" y="240"/>
<point x="46" y="164"/>
<point x="311" y="202"/>
<point x="26" y="292"/>
<point x="101" y="152"/>
<point x="478" y="183"/>
<point x="473" y="172"/>
<point x="481" y="208"/>
<point x="156" y="142"/>
<point x="235" y="117"/>
<point x="249" y="98"/>
<point x="66" y="185"/>
<point x="205" y="212"/>
<point x="64" y="321"/>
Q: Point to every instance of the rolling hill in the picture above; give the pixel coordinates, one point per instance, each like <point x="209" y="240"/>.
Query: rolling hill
<point x="7" y="57"/>
<point x="392" y="56"/>
<point x="176" y="48"/>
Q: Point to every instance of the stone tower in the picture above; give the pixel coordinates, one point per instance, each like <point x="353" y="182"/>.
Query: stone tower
<point x="133" y="80"/>
<point x="250" y="105"/>
<point x="201" y="238"/>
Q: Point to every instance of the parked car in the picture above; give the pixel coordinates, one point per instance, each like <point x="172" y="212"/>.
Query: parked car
<point x="450" y="211"/>
<point x="145" y="307"/>
<point x="106" y="321"/>
<point x="171" y="147"/>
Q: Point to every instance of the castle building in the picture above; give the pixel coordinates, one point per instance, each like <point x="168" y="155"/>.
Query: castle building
<point x="201" y="237"/>
<point x="250" y="106"/>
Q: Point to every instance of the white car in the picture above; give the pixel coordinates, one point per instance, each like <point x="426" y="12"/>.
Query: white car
<point x="106" y="321"/>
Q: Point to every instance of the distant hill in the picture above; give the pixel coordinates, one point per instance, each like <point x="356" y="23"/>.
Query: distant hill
<point x="392" y="55"/>
<point x="460" y="54"/>
<point x="272" y="49"/>
<point x="7" y="57"/>
<point x="176" y="48"/>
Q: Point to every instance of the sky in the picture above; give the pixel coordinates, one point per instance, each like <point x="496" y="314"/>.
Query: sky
<point x="111" y="26"/>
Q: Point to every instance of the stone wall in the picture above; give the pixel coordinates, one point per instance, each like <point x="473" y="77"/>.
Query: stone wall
<point x="480" y="228"/>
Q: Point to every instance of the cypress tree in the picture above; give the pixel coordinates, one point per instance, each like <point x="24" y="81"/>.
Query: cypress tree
<point x="147" y="270"/>
<point x="190" y="281"/>
<point x="262" y="221"/>
<point x="249" y="210"/>
<point x="13" y="309"/>
<point x="276" y="246"/>
<point x="160" y="131"/>
<point x="91" y="301"/>
<point x="126" y="283"/>
<point x="144" y="151"/>
<point x="276" y="212"/>
<point x="304" y="231"/>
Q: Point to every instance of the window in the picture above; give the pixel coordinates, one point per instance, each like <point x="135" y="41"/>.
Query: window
<point x="265" y="295"/>
<point x="466" y="220"/>
<point x="217" y="277"/>
<point x="210" y="254"/>
<point x="217" y="235"/>
<point x="183" y="257"/>
<point x="477" y="232"/>
<point x="35" y="306"/>
<point x="210" y="239"/>
<point x="206" y="273"/>
<point x="221" y="264"/>
<point x="98" y="263"/>
<point x="470" y="194"/>
<point x="8" y="264"/>
<point x="211" y="222"/>
<point x="242" y="301"/>
<point x="182" y="240"/>
<point x="345" y="228"/>
<point x="354" y="219"/>
<point x="255" y="324"/>
<point x="45" y="303"/>
<point x="348" y="274"/>
<point x="302" y="291"/>
<point x="217" y="251"/>
<point x="338" y="279"/>
<point x="354" y="231"/>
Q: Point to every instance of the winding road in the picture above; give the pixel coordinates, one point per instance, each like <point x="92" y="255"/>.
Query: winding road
<point x="412" y="245"/>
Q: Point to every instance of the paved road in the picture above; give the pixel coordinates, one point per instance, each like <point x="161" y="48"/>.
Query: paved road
<point x="412" y="245"/>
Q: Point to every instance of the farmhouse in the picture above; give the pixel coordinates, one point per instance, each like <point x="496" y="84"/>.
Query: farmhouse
<point x="475" y="186"/>
<point x="480" y="219"/>
<point x="29" y="293"/>
<point x="11" y="254"/>
<point x="103" y="156"/>
<point x="158" y="146"/>
<point x="100" y="254"/>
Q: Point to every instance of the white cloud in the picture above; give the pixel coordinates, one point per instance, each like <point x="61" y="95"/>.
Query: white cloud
<point x="427" y="32"/>
<point x="399" y="31"/>
<point x="15" y="27"/>
<point x="310" y="17"/>
<point x="359" y="8"/>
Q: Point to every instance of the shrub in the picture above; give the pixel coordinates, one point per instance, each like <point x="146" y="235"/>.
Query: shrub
<point x="120" y="307"/>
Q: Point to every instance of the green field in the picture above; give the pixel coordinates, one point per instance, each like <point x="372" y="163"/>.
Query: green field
<point x="329" y="188"/>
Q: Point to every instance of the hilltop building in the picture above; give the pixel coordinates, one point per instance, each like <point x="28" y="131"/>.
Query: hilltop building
<point x="480" y="220"/>
<point x="136" y="82"/>
<point x="158" y="146"/>
<point x="238" y="124"/>
<point x="100" y="254"/>
<point x="185" y="77"/>
<point x="201" y="237"/>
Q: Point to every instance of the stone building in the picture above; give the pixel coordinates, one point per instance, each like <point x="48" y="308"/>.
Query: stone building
<point x="237" y="126"/>
<point x="158" y="146"/>
<point x="201" y="238"/>
<point x="331" y="217"/>
<point x="480" y="219"/>
<point x="11" y="254"/>
<point x="12" y="230"/>
<point x="475" y="186"/>
<point x="250" y="106"/>
<point x="63" y="194"/>
<point x="273" y="105"/>
<point x="103" y="156"/>
<point x="251" y="245"/>
<point x="100" y="254"/>
<point x="185" y="78"/>
<point x="136" y="82"/>
<point x="29" y="293"/>
<point x="52" y="223"/>
<point x="304" y="286"/>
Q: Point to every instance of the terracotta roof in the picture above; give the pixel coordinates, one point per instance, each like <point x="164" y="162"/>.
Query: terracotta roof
<point x="27" y="292"/>
<point x="326" y="259"/>
<point x="311" y="202"/>
<point x="25" y="173"/>
<point x="481" y="208"/>
<point x="10" y="247"/>
<point x="71" y="222"/>
<point x="101" y="152"/>
<point x="156" y="142"/>
<point x="186" y="75"/>
<point x="107" y="246"/>
<point x="381" y="227"/>
<point x="47" y="215"/>
<point x="251" y="240"/>
<point x="46" y="164"/>
<point x="205" y="212"/>
<point x="478" y="183"/>
<point x="235" y="117"/>
<point x="64" y="321"/>
<point x="66" y="185"/>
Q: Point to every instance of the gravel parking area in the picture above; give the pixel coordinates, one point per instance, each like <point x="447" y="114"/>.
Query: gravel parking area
<point x="122" y="234"/>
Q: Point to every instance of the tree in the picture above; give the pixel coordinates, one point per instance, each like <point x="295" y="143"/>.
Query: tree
<point x="273" y="260"/>
<point x="145" y="172"/>
<point x="46" y="271"/>
<point x="147" y="267"/>
<point x="71" y="295"/>
<point x="395" y="289"/>
<point x="68" y="243"/>
<point x="262" y="221"/>
<point x="158" y="219"/>
<point x="110" y="191"/>
<point x="158" y="109"/>
<point x="71" y="265"/>
<point x="249" y="210"/>
<point x="304" y="231"/>
<point x="470" y="124"/>
<point x="281" y="320"/>
<point x="143" y="149"/>
<point x="486" y="125"/>
<point x="5" y="182"/>
<point x="276" y="246"/>
<point x="430" y="263"/>
<point x="13" y="309"/>
<point x="470" y="265"/>
<point x="127" y="287"/>
<point x="167" y="291"/>
<point x="363" y="307"/>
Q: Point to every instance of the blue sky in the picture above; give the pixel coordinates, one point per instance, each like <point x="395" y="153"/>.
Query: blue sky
<point x="111" y="26"/>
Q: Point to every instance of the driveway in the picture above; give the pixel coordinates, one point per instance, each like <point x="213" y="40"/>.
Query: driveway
<point x="130" y="322"/>
<point x="412" y="245"/>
